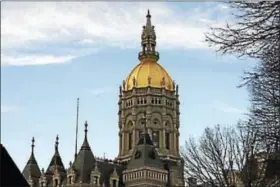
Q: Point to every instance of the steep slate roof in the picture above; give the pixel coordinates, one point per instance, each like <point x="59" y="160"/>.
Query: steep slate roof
<point x="31" y="168"/>
<point x="56" y="161"/>
<point x="10" y="174"/>
<point x="145" y="154"/>
<point x="85" y="161"/>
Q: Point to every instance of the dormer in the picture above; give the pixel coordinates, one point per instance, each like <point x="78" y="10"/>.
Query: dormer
<point x="114" y="178"/>
<point x="95" y="176"/>
<point x="71" y="174"/>
<point x="43" y="179"/>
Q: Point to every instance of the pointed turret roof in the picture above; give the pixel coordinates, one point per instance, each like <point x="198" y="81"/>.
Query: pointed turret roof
<point x="11" y="175"/>
<point x="145" y="153"/>
<point x="56" y="161"/>
<point x="31" y="168"/>
<point x="85" y="161"/>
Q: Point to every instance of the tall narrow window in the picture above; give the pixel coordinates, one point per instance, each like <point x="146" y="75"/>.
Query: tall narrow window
<point x="70" y="180"/>
<point x="156" y="138"/>
<point x="56" y="182"/>
<point x="114" y="183"/>
<point x="95" y="180"/>
<point x="167" y="140"/>
<point x="130" y="141"/>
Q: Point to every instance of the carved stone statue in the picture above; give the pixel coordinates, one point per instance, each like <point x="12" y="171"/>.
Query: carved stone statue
<point x="149" y="80"/>
<point x="174" y="84"/>
<point x="163" y="81"/>
<point x="134" y="81"/>
<point x="123" y="84"/>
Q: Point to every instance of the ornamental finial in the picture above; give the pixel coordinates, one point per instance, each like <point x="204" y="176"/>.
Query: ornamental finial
<point x="32" y="145"/>
<point x="148" y="40"/>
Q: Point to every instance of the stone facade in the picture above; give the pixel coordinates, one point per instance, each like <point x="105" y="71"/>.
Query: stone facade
<point x="148" y="135"/>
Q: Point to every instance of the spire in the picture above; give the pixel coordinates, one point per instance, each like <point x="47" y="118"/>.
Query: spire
<point x="31" y="169"/>
<point x="85" y="160"/>
<point x="85" y="143"/>
<point x="56" y="161"/>
<point x="148" y="41"/>
<point x="56" y="144"/>
<point x="145" y="153"/>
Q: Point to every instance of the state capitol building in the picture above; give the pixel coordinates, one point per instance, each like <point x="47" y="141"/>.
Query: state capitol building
<point x="149" y="122"/>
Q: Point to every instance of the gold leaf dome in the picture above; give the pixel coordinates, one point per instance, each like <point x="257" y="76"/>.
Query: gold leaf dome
<point x="149" y="73"/>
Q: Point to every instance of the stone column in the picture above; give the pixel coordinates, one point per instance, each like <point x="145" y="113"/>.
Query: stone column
<point x="163" y="138"/>
<point x="174" y="143"/>
<point x="120" y="143"/>
<point x="134" y="138"/>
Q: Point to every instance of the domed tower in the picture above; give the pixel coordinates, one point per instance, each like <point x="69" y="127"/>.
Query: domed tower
<point x="150" y="90"/>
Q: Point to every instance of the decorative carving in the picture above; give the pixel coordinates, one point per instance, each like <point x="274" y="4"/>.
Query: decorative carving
<point x="174" y="85"/>
<point x="134" y="82"/>
<point x="123" y="85"/>
<point x="137" y="155"/>
<point x="149" y="80"/>
<point x="163" y="82"/>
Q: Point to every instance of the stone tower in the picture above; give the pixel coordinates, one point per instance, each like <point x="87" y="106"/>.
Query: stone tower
<point x="150" y="90"/>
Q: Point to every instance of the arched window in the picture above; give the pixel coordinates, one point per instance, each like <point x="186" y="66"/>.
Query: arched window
<point x="155" y="137"/>
<point x="130" y="141"/>
<point x="167" y="140"/>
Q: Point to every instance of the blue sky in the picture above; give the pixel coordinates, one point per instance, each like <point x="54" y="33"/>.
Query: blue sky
<point x="53" y="53"/>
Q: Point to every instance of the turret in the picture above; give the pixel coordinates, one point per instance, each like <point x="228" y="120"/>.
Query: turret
<point x="31" y="171"/>
<point x="56" y="171"/>
<point x="84" y="162"/>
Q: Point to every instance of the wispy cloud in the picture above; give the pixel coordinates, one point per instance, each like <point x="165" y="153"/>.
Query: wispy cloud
<point x="8" y="108"/>
<point x="34" y="59"/>
<point x="99" y="91"/>
<point x="219" y="105"/>
<point x="34" y="25"/>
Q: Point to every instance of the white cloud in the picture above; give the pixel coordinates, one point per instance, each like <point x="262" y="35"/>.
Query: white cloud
<point x="8" y="108"/>
<point x="34" y="59"/>
<point x="95" y="24"/>
<point x="227" y="108"/>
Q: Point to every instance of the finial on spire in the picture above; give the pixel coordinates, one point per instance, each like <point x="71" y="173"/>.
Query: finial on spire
<point x="148" y="14"/>
<point x="32" y="145"/>
<point x="56" y="143"/>
<point x="86" y="130"/>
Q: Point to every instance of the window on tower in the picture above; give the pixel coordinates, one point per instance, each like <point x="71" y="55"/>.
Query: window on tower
<point x="155" y="137"/>
<point x="167" y="140"/>
<point x="130" y="141"/>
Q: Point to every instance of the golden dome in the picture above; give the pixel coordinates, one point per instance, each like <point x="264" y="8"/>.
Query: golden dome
<point x="149" y="73"/>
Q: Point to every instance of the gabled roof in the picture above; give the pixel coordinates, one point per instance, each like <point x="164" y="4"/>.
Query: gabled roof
<point x="9" y="171"/>
<point x="31" y="169"/>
